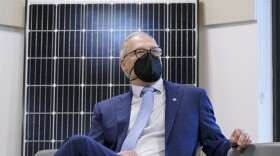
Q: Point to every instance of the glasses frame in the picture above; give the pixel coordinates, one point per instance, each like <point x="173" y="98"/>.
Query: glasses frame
<point x="147" y="51"/>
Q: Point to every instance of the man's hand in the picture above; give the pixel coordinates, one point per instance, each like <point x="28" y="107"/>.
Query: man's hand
<point x="240" y="139"/>
<point x="127" y="153"/>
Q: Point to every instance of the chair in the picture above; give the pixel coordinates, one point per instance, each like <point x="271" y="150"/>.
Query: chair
<point x="257" y="149"/>
<point x="49" y="152"/>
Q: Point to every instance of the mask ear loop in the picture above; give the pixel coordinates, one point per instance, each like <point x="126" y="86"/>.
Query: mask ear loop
<point x="130" y="75"/>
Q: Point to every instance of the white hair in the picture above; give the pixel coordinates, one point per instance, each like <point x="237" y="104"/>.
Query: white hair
<point x="124" y="44"/>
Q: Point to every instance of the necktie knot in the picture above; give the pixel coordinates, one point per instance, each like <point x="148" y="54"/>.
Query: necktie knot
<point x="147" y="89"/>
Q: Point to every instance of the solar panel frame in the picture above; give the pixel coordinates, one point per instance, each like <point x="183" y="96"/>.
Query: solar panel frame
<point x="60" y="58"/>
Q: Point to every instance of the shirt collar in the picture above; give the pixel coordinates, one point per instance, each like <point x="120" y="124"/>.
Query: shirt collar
<point x="158" y="86"/>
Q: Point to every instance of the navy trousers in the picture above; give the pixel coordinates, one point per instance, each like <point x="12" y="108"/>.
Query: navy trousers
<point x="81" y="145"/>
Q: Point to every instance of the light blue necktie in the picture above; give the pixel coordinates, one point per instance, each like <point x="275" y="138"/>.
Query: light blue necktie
<point x="141" y="120"/>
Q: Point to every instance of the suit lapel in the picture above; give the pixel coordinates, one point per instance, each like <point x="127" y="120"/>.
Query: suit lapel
<point x="123" y="115"/>
<point x="173" y="101"/>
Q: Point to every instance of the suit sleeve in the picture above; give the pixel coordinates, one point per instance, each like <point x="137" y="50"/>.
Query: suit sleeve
<point x="96" y="130"/>
<point x="211" y="138"/>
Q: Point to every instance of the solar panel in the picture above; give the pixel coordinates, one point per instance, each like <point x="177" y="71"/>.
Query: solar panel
<point x="72" y="59"/>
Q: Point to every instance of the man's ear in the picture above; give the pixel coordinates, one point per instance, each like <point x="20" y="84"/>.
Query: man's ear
<point x="122" y="65"/>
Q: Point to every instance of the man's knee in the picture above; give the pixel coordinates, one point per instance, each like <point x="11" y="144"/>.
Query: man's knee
<point x="78" y="139"/>
<point x="83" y="145"/>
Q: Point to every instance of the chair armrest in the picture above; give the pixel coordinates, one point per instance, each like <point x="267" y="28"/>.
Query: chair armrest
<point x="257" y="149"/>
<point x="249" y="150"/>
<point x="49" y="152"/>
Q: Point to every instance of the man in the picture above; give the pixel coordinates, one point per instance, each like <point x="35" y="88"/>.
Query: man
<point x="180" y="115"/>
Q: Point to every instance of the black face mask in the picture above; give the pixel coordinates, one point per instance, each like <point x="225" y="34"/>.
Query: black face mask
<point x="148" y="69"/>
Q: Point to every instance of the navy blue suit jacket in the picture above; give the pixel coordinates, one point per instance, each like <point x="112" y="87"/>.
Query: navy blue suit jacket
<point x="188" y="120"/>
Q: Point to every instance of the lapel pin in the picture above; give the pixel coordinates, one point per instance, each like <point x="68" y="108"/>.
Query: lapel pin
<point x="174" y="99"/>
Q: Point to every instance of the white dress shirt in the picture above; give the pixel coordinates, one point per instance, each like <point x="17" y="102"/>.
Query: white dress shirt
<point x="152" y="139"/>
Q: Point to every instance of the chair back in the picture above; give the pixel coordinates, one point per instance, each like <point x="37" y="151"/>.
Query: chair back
<point x="258" y="149"/>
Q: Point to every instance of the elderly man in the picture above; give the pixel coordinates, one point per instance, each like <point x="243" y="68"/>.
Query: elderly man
<point x="156" y="117"/>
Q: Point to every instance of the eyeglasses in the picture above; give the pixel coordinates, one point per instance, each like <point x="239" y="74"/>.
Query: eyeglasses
<point x="142" y="53"/>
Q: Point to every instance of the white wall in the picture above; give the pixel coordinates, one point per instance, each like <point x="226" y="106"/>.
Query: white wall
<point x="12" y="12"/>
<point x="236" y="69"/>
<point x="229" y="72"/>
<point x="227" y="11"/>
<point x="11" y="90"/>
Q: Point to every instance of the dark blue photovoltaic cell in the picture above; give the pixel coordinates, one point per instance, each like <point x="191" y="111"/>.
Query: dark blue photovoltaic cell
<point x="161" y="39"/>
<point x="66" y="125"/>
<point x="40" y="71"/>
<point x="117" y="90"/>
<point x="87" y="123"/>
<point x="165" y="73"/>
<point x="100" y="92"/>
<point x="68" y="99"/>
<point x="42" y="17"/>
<point x="33" y="147"/>
<point x="118" y="76"/>
<point x="96" y="44"/>
<point x="39" y="99"/>
<point x="153" y="16"/>
<point x="184" y="68"/>
<point x="58" y="143"/>
<point x="69" y="43"/>
<point x="117" y="39"/>
<point x="39" y="127"/>
<point x="97" y="71"/>
<point x="42" y="44"/>
<point x="98" y="16"/>
<point x="182" y="43"/>
<point x="69" y="71"/>
<point x="182" y="16"/>
<point x="125" y="16"/>
<point x="70" y="17"/>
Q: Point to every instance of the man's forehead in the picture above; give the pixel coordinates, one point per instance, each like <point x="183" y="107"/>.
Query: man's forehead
<point x="140" y="38"/>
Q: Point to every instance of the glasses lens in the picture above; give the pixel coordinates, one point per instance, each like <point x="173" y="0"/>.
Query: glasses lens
<point x="141" y="53"/>
<point x="156" y="51"/>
